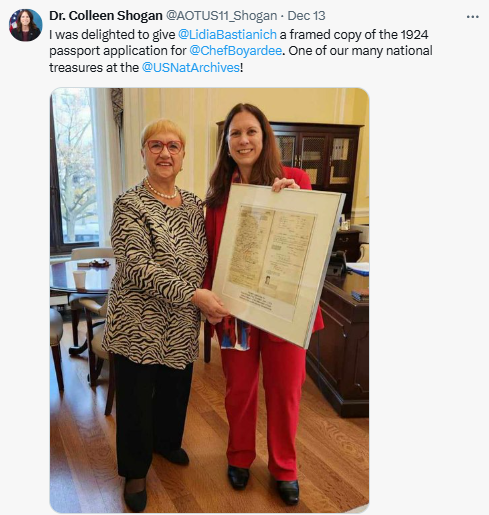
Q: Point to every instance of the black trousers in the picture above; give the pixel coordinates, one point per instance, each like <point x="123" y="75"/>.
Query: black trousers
<point x="150" y="413"/>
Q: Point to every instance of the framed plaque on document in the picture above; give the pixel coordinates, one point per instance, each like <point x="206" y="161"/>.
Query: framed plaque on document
<point x="274" y="252"/>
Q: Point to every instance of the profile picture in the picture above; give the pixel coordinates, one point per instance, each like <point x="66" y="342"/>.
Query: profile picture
<point x="25" y="25"/>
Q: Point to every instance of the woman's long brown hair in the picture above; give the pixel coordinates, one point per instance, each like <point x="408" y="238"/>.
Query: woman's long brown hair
<point x="32" y="25"/>
<point x="265" y="170"/>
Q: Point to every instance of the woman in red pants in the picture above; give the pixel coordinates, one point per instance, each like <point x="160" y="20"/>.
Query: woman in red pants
<point x="248" y="154"/>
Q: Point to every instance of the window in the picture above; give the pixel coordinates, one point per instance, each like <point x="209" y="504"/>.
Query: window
<point x="74" y="218"/>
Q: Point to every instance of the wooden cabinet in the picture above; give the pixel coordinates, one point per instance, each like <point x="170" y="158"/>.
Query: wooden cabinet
<point x="338" y="356"/>
<point x="327" y="152"/>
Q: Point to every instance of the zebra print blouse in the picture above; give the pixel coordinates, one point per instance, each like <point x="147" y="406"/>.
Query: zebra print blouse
<point x="161" y="256"/>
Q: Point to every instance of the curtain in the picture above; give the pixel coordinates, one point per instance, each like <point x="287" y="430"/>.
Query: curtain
<point x="117" y="98"/>
<point x="107" y="151"/>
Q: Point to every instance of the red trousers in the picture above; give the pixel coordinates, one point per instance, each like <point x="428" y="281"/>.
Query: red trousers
<point x="284" y="373"/>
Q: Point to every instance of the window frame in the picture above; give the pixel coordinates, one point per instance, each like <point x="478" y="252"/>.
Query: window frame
<point x="57" y="244"/>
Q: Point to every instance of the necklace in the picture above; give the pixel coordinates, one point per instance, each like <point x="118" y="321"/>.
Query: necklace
<point x="161" y="194"/>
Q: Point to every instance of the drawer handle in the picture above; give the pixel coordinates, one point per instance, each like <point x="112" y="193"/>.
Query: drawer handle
<point x="343" y="240"/>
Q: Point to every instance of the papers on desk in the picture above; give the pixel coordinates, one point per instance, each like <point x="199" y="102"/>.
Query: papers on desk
<point x="359" y="268"/>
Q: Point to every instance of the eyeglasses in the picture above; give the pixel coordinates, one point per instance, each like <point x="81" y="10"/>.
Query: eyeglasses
<point x="156" y="147"/>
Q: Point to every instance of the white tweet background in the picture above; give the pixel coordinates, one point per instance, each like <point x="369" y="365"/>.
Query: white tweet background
<point x="428" y="218"/>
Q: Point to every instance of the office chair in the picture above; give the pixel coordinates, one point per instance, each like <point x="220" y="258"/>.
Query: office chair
<point x="56" y="333"/>
<point x="74" y="298"/>
<point x="97" y="355"/>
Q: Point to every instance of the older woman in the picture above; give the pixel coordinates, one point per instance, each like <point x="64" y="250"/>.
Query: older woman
<point x="26" y="29"/>
<point x="153" y="318"/>
<point x="249" y="154"/>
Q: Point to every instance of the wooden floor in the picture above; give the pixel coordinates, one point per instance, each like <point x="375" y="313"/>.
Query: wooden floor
<point x="332" y="452"/>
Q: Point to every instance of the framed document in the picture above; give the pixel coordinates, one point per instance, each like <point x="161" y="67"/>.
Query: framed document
<point x="273" y="257"/>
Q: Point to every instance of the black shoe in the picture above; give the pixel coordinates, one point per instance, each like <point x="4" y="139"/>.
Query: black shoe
<point x="177" y="456"/>
<point x="289" y="491"/>
<point x="136" y="501"/>
<point x="238" y="477"/>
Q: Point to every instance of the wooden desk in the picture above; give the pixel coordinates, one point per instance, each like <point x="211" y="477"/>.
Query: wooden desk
<point x="338" y="356"/>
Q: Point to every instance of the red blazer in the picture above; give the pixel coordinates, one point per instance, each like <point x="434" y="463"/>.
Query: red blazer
<point x="214" y="222"/>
